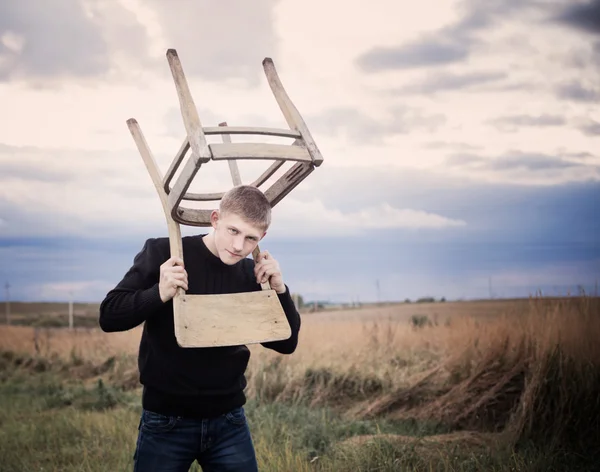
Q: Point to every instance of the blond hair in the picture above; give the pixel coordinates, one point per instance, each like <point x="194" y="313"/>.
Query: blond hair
<point x="249" y="203"/>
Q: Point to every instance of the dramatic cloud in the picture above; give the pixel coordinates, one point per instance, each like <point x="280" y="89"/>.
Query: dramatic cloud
<point x="590" y="127"/>
<point x="584" y="16"/>
<point x="510" y="229"/>
<point x="427" y="53"/>
<point x="42" y="41"/>
<point x="523" y="167"/>
<point x="451" y="145"/>
<point x="294" y="218"/>
<point x="446" y="81"/>
<point x="578" y="92"/>
<point x="360" y="128"/>
<point x="419" y="168"/>
<point x="65" y="38"/>
<point x="211" y="50"/>
<point x="531" y="162"/>
<point x="452" y="44"/>
<point x="82" y="194"/>
<point x="515" y="122"/>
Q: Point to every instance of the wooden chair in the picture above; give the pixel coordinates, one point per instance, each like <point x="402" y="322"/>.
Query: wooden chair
<point x="241" y="318"/>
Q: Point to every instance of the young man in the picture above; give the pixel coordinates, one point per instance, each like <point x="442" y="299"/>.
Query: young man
<point x="193" y="397"/>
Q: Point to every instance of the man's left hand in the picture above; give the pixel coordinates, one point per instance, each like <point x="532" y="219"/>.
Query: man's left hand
<point x="267" y="269"/>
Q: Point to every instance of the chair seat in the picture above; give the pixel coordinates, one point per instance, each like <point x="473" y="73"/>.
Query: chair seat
<point x="230" y="319"/>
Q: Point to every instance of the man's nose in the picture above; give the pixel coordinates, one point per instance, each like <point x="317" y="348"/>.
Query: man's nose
<point x="238" y="243"/>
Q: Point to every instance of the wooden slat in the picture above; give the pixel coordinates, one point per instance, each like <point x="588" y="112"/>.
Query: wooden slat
<point x="203" y="197"/>
<point x="257" y="130"/>
<point x="268" y="173"/>
<point x="192" y="216"/>
<point x="233" y="167"/>
<point x="287" y="182"/>
<point x="291" y="114"/>
<point x="191" y="120"/>
<point x="259" y="151"/>
<point x="175" y="165"/>
<point x="231" y="320"/>
<point x="183" y="183"/>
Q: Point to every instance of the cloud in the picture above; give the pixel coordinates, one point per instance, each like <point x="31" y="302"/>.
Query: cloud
<point x="59" y="191"/>
<point x="584" y="16"/>
<point x="452" y="44"/>
<point x="526" y="168"/>
<point x="42" y="40"/>
<point x="589" y="127"/>
<point x="510" y="228"/>
<point x="451" y="145"/>
<point x="219" y="40"/>
<point x="360" y="128"/>
<point x="294" y="218"/>
<point x="448" y="81"/>
<point x="426" y="53"/>
<point x="87" y="39"/>
<point x="577" y="92"/>
<point x="517" y="160"/>
<point x="514" y="122"/>
<point x="87" y="193"/>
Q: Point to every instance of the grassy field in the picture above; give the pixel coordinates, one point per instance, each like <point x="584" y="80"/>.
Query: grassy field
<point x="455" y="386"/>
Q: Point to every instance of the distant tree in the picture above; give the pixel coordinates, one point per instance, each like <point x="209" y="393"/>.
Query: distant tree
<point x="426" y="300"/>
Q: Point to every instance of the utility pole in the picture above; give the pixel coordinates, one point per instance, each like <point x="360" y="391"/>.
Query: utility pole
<point x="7" y="286"/>
<point x="490" y="287"/>
<point x="70" y="310"/>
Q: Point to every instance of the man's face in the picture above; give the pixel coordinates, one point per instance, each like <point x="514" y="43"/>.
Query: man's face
<point x="234" y="237"/>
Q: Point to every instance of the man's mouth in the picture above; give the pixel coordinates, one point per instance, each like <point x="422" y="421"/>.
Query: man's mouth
<point x="232" y="254"/>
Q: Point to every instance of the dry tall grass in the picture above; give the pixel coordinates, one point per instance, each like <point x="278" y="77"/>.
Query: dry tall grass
<point x="530" y="372"/>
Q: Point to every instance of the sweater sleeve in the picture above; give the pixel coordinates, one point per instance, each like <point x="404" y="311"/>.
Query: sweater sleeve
<point x="136" y="297"/>
<point x="287" y="346"/>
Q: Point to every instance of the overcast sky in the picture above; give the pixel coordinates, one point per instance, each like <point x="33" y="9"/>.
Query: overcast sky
<point x="461" y="139"/>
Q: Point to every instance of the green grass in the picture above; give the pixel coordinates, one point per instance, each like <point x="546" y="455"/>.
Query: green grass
<point x="50" y="424"/>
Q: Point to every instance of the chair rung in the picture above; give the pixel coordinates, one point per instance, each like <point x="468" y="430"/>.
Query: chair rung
<point x="284" y="133"/>
<point x="191" y="216"/>
<point x="223" y="151"/>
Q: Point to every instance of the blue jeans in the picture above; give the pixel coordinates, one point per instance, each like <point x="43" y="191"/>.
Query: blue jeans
<point x="172" y="443"/>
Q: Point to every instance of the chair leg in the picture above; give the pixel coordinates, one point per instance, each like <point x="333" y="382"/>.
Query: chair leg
<point x="200" y="151"/>
<point x="175" y="242"/>
<point x="290" y="112"/>
<point x="191" y="120"/>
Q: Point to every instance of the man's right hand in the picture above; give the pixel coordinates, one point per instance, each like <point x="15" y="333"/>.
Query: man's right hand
<point x="172" y="276"/>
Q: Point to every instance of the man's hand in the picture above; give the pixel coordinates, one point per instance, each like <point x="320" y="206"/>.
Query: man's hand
<point x="267" y="268"/>
<point x="172" y="276"/>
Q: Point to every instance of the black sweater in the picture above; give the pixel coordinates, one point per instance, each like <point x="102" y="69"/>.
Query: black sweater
<point x="194" y="382"/>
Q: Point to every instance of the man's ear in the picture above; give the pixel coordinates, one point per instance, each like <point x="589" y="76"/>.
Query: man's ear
<point x="264" y="234"/>
<point x="214" y="218"/>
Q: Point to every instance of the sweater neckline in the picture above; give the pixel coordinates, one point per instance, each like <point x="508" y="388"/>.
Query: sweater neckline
<point x="209" y="256"/>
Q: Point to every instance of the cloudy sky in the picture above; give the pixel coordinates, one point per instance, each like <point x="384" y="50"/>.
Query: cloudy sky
<point x="461" y="139"/>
